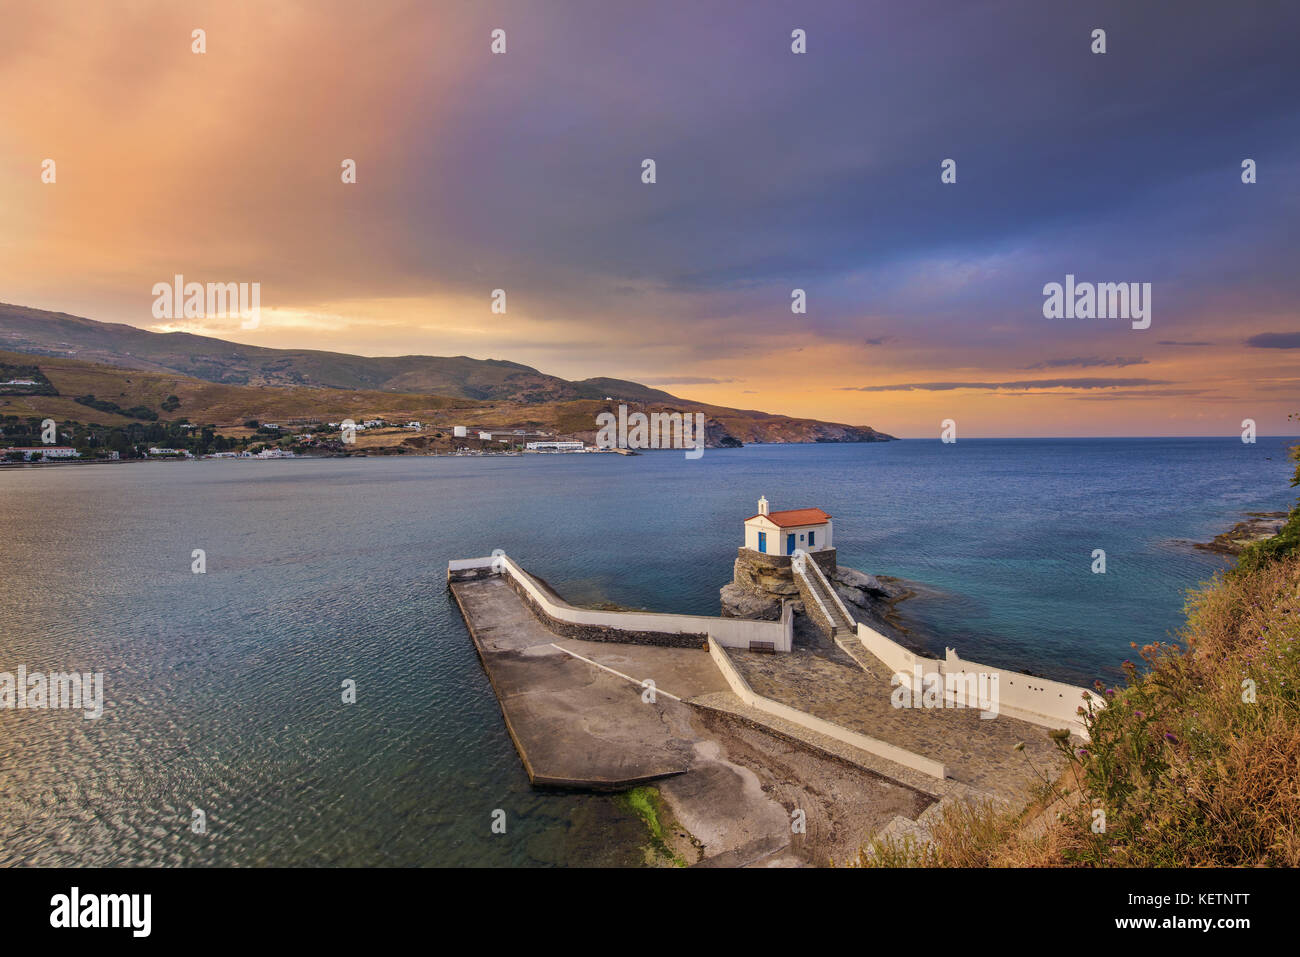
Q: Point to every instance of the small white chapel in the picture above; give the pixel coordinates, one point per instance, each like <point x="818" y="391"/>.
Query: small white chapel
<point x="785" y="532"/>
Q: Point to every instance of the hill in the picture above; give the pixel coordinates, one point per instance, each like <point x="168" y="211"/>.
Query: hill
<point x="148" y="396"/>
<point x="199" y="401"/>
<point x="37" y="332"/>
<point x="225" y="383"/>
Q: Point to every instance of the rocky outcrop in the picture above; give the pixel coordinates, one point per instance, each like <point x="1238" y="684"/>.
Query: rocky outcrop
<point x="761" y="583"/>
<point x="764" y="578"/>
<point x="870" y="598"/>
<point x="742" y="602"/>
<point x="1257" y="527"/>
<point x="865" y="591"/>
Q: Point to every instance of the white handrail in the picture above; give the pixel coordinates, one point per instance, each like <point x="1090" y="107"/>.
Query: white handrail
<point x="830" y="590"/>
<point x="733" y="632"/>
<point x="800" y="570"/>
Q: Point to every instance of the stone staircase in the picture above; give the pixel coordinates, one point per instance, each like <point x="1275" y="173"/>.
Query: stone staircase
<point x="821" y="604"/>
<point x="843" y="624"/>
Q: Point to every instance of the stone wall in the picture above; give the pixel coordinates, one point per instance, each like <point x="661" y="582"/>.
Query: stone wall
<point x="813" y="608"/>
<point x="585" y="632"/>
<point x="760" y="563"/>
<point x="636" y="627"/>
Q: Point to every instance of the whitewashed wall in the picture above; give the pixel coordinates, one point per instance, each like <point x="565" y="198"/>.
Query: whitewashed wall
<point x="1037" y="700"/>
<point x="1051" y="704"/>
<point x="731" y="632"/>
<point x="776" y="537"/>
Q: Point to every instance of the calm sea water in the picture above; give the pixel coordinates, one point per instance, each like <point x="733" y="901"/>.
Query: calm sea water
<point x="223" y="689"/>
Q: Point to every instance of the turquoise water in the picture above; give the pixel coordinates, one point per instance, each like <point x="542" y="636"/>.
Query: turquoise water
<point x="223" y="689"/>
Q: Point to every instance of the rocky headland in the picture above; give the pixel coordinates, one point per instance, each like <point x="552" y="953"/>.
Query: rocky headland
<point x="1257" y="527"/>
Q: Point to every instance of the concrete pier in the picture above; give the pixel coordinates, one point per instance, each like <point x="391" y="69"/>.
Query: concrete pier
<point x="579" y="715"/>
<point x="736" y="742"/>
<point x="573" y="723"/>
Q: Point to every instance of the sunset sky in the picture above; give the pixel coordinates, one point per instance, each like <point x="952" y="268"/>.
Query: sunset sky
<point x="775" y="171"/>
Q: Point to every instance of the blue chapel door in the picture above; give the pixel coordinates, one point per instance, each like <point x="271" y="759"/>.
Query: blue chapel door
<point x="762" y="542"/>
<point x="789" y="544"/>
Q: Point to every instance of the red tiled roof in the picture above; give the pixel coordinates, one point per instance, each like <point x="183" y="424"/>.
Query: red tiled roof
<point x="792" y="517"/>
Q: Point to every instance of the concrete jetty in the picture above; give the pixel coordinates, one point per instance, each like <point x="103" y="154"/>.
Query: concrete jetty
<point x="575" y="724"/>
<point x="581" y="715"/>
<point x="737" y="739"/>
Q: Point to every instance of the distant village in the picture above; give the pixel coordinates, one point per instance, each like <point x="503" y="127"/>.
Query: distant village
<point x="31" y="440"/>
<point x="35" y="439"/>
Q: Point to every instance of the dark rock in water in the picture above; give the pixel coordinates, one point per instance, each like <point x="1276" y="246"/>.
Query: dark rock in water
<point x="1257" y="527"/>
<point x="857" y="586"/>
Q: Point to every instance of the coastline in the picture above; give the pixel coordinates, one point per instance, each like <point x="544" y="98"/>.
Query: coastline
<point x="258" y="548"/>
<point x="1256" y="527"/>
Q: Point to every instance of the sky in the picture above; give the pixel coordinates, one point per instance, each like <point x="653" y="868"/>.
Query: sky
<point x="774" y="171"/>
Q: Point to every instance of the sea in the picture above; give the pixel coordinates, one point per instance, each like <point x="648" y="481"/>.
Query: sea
<point x="225" y="738"/>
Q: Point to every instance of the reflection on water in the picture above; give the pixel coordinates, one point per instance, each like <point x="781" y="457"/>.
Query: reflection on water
<point x="223" y="690"/>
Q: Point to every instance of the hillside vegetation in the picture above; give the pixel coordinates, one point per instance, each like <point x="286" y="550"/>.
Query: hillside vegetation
<point x="200" y="401"/>
<point x="1196" y="762"/>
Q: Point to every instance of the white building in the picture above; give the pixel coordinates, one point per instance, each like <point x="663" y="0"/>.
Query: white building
<point x="783" y="533"/>
<point x="414" y="425"/>
<point x="275" y="454"/>
<point x="48" y="451"/>
<point x="554" y="446"/>
<point x="485" y="436"/>
<point x="459" y="431"/>
<point x="184" y="453"/>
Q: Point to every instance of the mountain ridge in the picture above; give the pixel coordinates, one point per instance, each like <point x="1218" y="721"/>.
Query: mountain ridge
<point x="508" y="389"/>
<point x="40" y="332"/>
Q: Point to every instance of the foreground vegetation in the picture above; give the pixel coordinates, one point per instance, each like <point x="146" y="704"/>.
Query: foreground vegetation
<point x="1196" y="762"/>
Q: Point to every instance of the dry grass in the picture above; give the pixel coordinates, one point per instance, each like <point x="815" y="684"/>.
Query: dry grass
<point x="1195" y="764"/>
<point x="209" y="402"/>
